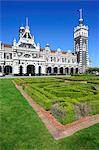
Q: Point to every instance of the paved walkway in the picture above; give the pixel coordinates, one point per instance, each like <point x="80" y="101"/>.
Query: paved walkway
<point x="58" y="130"/>
<point x="42" y="76"/>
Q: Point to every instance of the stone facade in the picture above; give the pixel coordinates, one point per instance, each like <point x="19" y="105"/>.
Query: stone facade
<point x="25" y="57"/>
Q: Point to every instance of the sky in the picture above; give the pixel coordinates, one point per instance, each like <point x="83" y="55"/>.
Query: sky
<point x="51" y="22"/>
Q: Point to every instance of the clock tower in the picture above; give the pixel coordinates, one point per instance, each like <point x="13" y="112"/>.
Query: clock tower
<point x="81" y="44"/>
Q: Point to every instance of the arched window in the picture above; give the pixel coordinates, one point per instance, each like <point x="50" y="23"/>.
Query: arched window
<point x="39" y="70"/>
<point x="7" y="70"/>
<point x="72" y="71"/>
<point x="55" y="70"/>
<point x="30" y="70"/>
<point x="49" y="70"/>
<point x="21" y="70"/>
<point x="61" y="70"/>
<point x="76" y="70"/>
<point x="67" y="70"/>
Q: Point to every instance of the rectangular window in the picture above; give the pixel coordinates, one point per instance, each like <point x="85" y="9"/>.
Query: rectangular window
<point x="4" y="55"/>
<point x="14" y="54"/>
<point x="10" y="56"/>
<point x="54" y="59"/>
<point x="62" y="59"/>
<point x="68" y="61"/>
<point x="7" y="57"/>
<point x="0" y="69"/>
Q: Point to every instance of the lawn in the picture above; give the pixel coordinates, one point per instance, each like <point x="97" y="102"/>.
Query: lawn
<point x="66" y="101"/>
<point x="22" y="129"/>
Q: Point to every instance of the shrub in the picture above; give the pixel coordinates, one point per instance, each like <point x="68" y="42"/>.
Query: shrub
<point x="81" y="109"/>
<point x="58" y="111"/>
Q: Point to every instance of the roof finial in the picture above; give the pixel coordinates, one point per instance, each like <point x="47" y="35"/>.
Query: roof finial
<point x="81" y="16"/>
<point x="26" y="21"/>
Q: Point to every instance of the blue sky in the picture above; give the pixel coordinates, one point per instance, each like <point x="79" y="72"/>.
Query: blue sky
<point x="51" y="22"/>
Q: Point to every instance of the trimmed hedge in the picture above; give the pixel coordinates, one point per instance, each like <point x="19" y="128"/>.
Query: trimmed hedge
<point x="47" y="91"/>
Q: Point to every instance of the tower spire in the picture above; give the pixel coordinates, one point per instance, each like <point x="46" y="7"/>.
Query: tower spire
<point x="81" y="16"/>
<point x="26" y="21"/>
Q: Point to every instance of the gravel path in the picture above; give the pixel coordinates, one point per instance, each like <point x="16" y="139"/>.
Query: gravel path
<point x="58" y="130"/>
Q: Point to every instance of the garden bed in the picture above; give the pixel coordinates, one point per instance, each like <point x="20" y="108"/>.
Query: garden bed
<point x="63" y="99"/>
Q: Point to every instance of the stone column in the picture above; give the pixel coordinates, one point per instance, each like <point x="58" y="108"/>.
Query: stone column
<point x="74" y="70"/>
<point x="52" y="70"/>
<point x="36" y="70"/>
<point x="24" y="70"/>
<point x="43" y="70"/>
<point x="64" y="71"/>
<point x="15" y="69"/>
<point x="58" y="70"/>
<point x="69" y="70"/>
<point x="2" y="69"/>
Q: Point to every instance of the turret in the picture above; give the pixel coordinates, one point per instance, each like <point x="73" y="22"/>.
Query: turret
<point x="38" y="46"/>
<point x="47" y="48"/>
<point x="21" y="31"/>
<point x="14" y="42"/>
<point x="58" y="50"/>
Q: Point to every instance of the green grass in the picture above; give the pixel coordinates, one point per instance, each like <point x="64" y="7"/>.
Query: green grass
<point x="22" y="129"/>
<point x="45" y="91"/>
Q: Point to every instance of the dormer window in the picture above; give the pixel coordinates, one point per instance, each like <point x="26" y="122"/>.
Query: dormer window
<point x="29" y="36"/>
<point x="27" y="46"/>
<point x="62" y="59"/>
<point x="24" y="35"/>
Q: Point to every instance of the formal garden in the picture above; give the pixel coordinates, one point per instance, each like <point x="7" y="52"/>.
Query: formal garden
<point x="66" y="98"/>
